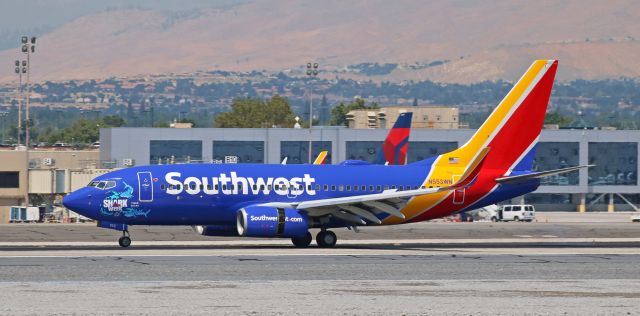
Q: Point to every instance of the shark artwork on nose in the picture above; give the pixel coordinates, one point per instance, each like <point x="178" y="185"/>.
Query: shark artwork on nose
<point x="120" y="203"/>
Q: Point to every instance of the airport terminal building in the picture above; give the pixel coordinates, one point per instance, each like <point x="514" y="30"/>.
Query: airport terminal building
<point x="611" y="185"/>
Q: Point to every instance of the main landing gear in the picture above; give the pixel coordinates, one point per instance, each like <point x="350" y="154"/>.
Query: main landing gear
<point x="125" y="240"/>
<point x="324" y="239"/>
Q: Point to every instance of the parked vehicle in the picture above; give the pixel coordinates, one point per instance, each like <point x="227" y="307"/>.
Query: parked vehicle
<point x="515" y="213"/>
<point x="635" y="218"/>
<point x="61" y="145"/>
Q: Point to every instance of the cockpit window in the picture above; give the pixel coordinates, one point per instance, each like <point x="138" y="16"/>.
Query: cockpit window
<point x="102" y="185"/>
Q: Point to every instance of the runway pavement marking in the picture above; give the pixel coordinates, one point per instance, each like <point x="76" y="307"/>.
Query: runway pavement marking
<point x="314" y="251"/>
<point x="350" y="242"/>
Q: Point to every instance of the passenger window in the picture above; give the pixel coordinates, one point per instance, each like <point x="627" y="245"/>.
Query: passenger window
<point x="386" y="187"/>
<point x="162" y="187"/>
<point x="400" y="187"/>
<point x="269" y="187"/>
<point x="224" y="187"/>
<point x="371" y="188"/>
<point x="393" y="187"/>
<point x="216" y="187"/>
<point x="363" y="188"/>
<point x="193" y="186"/>
<point x="255" y="187"/>
<point x="348" y="188"/>
<point x="231" y="187"/>
<point x="317" y="187"/>
<point x="326" y="188"/>
<point x="378" y="188"/>
<point x="341" y="187"/>
<point x="262" y="187"/>
<point x="209" y="186"/>
<point x="333" y="188"/>
<point x="202" y="187"/>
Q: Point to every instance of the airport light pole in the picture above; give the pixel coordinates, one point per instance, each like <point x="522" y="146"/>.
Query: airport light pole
<point x="312" y="72"/>
<point x="21" y="68"/>
<point x="28" y="47"/>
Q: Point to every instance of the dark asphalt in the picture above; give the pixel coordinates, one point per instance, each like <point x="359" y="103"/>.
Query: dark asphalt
<point x="427" y="230"/>
<point x="319" y="267"/>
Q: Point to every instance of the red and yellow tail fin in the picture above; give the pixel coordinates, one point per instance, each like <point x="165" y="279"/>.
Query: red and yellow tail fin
<point x="512" y="130"/>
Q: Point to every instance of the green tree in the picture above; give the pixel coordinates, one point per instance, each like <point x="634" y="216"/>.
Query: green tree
<point x="81" y="131"/>
<point x="339" y="112"/>
<point x="557" y="118"/>
<point x="255" y="113"/>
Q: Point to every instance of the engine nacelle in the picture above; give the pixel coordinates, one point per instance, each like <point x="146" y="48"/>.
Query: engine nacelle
<point x="216" y="230"/>
<point x="263" y="221"/>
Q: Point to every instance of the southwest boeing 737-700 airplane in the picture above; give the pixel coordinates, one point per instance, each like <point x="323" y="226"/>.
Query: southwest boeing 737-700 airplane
<point x="262" y="200"/>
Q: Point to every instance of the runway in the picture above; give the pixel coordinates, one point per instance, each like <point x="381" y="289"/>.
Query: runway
<point x="511" y="270"/>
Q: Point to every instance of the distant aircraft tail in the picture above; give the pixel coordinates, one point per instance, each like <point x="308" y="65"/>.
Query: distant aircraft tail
<point x="395" y="146"/>
<point x="513" y="129"/>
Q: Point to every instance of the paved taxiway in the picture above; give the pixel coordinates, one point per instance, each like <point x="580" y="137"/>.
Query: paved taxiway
<point x="451" y="268"/>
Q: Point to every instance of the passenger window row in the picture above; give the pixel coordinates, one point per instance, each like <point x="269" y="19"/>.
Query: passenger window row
<point x="318" y="187"/>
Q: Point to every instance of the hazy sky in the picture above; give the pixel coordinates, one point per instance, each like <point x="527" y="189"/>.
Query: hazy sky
<point x="36" y="17"/>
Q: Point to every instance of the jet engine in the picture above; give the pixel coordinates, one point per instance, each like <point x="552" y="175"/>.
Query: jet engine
<point x="216" y="230"/>
<point x="264" y="221"/>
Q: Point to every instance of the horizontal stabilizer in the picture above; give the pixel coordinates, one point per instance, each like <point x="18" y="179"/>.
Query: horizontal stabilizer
<point x="537" y="175"/>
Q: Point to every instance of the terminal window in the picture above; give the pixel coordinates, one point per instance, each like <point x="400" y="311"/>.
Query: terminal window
<point x="9" y="179"/>
<point x="175" y="151"/>
<point x="298" y="151"/>
<point x="245" y="151"/>
<point x="363" y="150"/>
<point x="556" y="155"/>
<point x="616" y="163"/>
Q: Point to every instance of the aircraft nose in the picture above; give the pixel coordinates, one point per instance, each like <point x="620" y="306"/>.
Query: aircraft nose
<point x="80" y="202"/>
<point x="72" y="201"/>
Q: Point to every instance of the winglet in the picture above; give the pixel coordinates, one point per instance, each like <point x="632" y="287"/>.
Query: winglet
<point x="322" y="156"/>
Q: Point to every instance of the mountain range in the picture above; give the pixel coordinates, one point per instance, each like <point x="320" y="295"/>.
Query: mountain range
<point x="455" y="41"/>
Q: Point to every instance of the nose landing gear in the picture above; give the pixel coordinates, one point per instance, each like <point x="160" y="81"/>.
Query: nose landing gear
<point x="125" y="240"/>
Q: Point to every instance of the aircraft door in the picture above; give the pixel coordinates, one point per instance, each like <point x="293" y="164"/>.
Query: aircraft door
<point x="145" y="186"/>
<point x="458" y="194"/>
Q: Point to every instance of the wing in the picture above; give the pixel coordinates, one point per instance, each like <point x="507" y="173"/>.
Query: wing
<point x="358" y="208"/>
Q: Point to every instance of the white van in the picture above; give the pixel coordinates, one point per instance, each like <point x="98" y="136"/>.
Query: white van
<point x="516" y="213"/>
